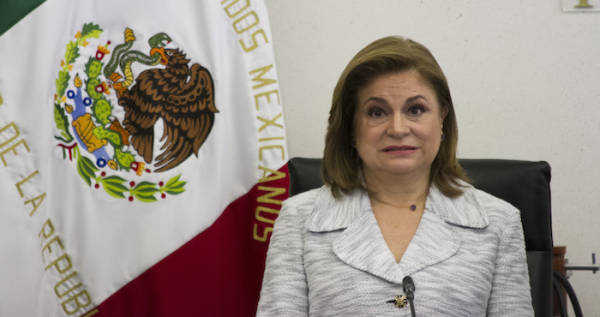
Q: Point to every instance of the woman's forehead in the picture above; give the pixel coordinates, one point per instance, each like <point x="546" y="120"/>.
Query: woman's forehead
<point x="402" y="86"/>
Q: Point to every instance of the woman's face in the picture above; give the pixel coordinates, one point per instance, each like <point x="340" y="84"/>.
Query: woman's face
<point x="398" y="125"/>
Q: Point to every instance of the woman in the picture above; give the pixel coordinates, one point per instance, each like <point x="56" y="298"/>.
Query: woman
<point x="396" y="203"/>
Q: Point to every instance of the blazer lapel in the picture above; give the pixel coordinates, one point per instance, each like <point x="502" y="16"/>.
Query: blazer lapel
<point x="362" y="246"/>
<point x="361" y="242"/>
<point x="437" y="238"/>
<point x="433" y="242"/>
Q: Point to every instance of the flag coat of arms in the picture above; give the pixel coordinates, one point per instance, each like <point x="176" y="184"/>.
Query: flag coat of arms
<point x="142" y="157"/>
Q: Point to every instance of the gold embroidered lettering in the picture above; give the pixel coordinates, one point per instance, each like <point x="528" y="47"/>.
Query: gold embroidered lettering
<point x="242" y="24"/>
<point x="75" y="302"/>
<point x="259" y="78"/>
<point x="255" y="41"/>
<point x="583" y="4"/>
<point x="35" y="202"/>
<point x="270" y="122"/>
<point x="266" y="147"/>
<point x="13" y="148"/>
<point x="270" y="175"/>
<point x="272" y="191"/>
<point x="91" y="313"/>
<point x="271" y="138"/>
<point x="65" y="260"/>
<point x="265" y="234"/>
<point x="70" y="281"/>
<point x="238" y="10"/>
<point x="16" y="133"/>
<point x="268" y="210"/>
<point x="66" y="285"/>
<point x="25" y="180"/>
<point x="266" y="96"/>
<point x="48" y="247"/>
<point x="47" y="229"/>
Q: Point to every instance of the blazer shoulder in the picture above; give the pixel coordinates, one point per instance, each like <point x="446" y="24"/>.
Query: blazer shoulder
<point x="495" y="208"/>
<point x="303" y="202"/>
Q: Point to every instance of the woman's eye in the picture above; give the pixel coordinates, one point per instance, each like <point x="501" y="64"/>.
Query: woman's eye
<point x="375" y="112"/>
<point x="416" y="110"/>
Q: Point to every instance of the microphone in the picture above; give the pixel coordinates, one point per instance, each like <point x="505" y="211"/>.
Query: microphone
<point x="409" y="289"/>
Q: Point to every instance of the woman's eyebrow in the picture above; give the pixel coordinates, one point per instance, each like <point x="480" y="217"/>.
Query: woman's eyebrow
<point x="378" y="99"/>
<point x="413" y="98"/>
<point x="383" y="100"/>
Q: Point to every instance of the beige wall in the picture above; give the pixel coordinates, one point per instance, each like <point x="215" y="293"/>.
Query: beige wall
<point x="525" y="78"/>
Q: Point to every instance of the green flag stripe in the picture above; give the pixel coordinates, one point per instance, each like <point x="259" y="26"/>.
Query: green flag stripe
<point x="11" y="11"/>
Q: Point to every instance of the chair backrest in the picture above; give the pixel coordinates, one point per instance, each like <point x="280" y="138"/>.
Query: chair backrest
<point x="524" y="184"/>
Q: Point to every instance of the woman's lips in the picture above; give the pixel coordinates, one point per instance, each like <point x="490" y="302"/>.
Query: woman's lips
<point x="401" y="148"/>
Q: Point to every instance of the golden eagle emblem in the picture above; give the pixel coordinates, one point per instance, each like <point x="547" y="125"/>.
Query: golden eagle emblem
<point x="106" y="117"/>
<point x="182" y="96"/>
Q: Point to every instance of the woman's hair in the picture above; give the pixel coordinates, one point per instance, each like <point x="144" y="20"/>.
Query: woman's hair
<point x="341" y="168"/>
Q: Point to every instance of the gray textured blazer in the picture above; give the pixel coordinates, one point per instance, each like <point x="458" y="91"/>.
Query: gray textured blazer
<point x="327" y="257"/>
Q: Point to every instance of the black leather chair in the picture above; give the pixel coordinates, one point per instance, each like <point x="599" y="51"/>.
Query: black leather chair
<point x="524" y="184"/>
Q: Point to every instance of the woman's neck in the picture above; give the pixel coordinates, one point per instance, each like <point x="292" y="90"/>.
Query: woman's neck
<point x="401" y="191"/>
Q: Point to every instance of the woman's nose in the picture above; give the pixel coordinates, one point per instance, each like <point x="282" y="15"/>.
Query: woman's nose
<point x="397" y="125"/>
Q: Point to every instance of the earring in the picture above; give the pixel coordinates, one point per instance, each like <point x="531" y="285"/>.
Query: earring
<point x="443" y="137"/>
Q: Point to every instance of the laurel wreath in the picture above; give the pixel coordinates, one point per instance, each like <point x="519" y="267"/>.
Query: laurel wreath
<point x="113" y="185"/>
<point x="116" y="187"/>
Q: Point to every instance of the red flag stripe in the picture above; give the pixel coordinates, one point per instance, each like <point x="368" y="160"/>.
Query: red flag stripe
<point x="217" y="273"/>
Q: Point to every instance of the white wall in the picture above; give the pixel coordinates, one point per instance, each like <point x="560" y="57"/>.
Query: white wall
<point x="525" y="79"/>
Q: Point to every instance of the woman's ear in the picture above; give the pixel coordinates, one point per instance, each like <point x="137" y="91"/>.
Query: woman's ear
<point x="444" y="113"/>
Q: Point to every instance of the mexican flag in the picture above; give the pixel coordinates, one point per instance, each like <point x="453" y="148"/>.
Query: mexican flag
<point x="142" y="157"/>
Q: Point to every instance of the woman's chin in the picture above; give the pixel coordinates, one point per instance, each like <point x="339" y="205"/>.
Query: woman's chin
<point x="403" y="168"/>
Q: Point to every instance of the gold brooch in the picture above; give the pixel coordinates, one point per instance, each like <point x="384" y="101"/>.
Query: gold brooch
<point x="399" y="301"/>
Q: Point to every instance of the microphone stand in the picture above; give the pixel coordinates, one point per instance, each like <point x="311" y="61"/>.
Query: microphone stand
<point x="411" y="304"/>
<point x="409" y="289"/>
